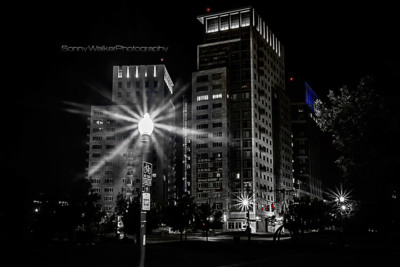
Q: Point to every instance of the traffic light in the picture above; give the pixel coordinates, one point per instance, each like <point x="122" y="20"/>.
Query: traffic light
<point x="267" y="207"/>
<point x="272" y="207"/>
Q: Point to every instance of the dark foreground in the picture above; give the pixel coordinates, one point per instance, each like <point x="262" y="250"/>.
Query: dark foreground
<point x="314" y="250"/>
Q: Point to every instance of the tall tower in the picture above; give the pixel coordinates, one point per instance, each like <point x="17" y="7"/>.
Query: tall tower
<point x="240" y="118"/>
<point x="306" y="141"/>
<point x="115" y="148"/>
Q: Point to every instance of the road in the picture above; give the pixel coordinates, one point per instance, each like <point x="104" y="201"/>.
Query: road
<point x="219" y="251"/>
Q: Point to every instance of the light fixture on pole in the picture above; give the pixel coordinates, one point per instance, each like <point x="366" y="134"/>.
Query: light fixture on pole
<point x="145" y="127"/>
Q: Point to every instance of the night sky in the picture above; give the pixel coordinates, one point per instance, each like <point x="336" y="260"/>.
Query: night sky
<point x="328" y="44"/>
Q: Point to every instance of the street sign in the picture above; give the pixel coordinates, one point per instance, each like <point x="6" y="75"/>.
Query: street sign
<point x="147" y="171"/>
<point x="146" y="201"/>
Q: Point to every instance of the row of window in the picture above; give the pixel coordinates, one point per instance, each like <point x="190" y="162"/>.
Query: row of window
<point x="102" y="122"/>
<point x="205" y="125"/>
<point x="129" y="94"/>
<point x="205" y="145"/>
<point x="204" y="78"/>
<point x="203" y="107"/>
<point x="138" y="84"/>
<point x="97" y="181"/>
<point x="100" y="146"/>
<point x="205" y="87"/>
<point x="206" y="185"/>
<point x="205" y="97"/>
<point x="100" y="138"/>
<point x="105" y="190"/>
<point x="226" y="22"/>
<point x="205" y="135"/>
<point x="101" y="129"/>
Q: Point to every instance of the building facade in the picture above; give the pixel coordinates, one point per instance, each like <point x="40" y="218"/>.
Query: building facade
<point x="306" y="141"/>
<point x="241" y="141"/>
<point x="116" y="150"/>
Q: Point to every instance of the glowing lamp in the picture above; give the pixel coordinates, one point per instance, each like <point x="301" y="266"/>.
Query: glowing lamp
<point x="208" y="9"/>
<point x="245" y="202"/>
<point x="146" y="125"/>
<point x="341" y="199"/>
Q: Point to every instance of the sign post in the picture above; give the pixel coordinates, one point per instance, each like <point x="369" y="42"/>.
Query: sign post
<point x="147" y="173"/>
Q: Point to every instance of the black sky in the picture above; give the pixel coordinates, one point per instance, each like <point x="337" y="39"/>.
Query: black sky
<point x="329" y="44"/>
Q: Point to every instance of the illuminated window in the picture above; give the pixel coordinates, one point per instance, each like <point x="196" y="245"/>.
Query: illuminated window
<point x="212" y="25"/>
<point x="245" y="19"/>
<point x="202" y="97"/>
<point x="127" y="72"/>
<point x="216" y="96"/>
<point x="119" y="72"/>
<point x="234" y="21"/>
<point x="224" y="23"/>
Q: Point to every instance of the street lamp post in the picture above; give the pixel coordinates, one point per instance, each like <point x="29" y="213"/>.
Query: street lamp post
<point x="145" y="127"/>
<point x="246" y="204"/>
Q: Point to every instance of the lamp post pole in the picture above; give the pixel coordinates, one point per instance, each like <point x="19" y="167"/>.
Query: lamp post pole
<point x="248" y="224"/>
<point x="146" y="127"/>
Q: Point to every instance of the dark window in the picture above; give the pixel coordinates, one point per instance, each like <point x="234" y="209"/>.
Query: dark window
<point x="216" y="76"/>
<point x="202" y="107"/>
<point x="217" y="105"/>
<point x="203" y="78"/>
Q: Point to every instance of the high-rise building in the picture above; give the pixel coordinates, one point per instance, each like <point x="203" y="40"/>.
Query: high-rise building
<point x="306" y="141"/>
<point x="241" y="141"/>
<point x="115" y="147"/>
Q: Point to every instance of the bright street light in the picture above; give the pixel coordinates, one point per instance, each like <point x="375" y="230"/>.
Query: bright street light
<point x="146" y="125"/>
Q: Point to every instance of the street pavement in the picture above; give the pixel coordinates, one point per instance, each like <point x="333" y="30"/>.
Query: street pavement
<point x="220" y="250"/>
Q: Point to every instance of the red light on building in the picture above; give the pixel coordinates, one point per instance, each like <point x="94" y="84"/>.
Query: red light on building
<point x="208" y="9"/>
<point x="291" y="79"/>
